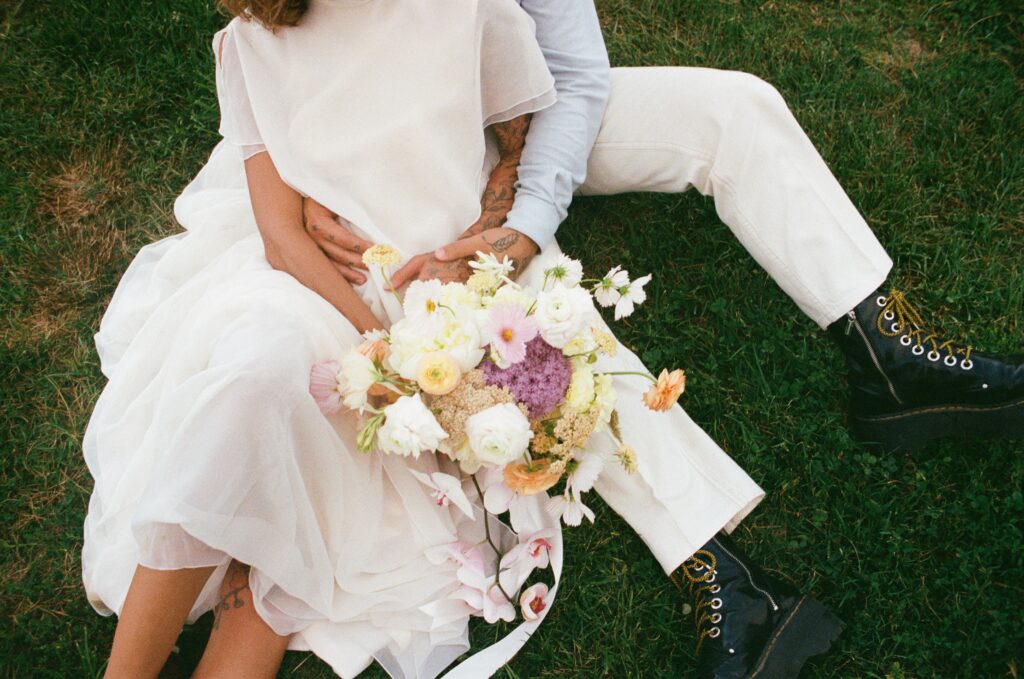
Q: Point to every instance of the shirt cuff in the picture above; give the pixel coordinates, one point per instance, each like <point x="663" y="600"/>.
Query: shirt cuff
<point x="536" y="218"/>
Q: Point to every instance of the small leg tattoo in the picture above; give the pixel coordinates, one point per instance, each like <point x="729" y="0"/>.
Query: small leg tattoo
<point x="236" y="581"/>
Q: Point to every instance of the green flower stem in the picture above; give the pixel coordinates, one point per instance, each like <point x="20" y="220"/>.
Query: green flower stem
<point x="399" y="386"/>
<point x="387" y="279"/>
<point x="487" y="533"/>
<point x="652" y="378"/>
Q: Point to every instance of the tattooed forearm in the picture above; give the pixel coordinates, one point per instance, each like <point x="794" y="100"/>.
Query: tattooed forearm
<point x="236" y="581"/>
<point x="511" y="135"/>
<point x="500" y="192"/>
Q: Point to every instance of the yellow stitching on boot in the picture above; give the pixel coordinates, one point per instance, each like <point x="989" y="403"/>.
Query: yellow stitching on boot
<point x="940" y="409"/>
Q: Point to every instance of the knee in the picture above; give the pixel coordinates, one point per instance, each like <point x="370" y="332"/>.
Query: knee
<point x="752" y="95"/>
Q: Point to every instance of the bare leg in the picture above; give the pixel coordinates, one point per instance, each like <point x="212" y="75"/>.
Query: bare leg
<point x="154" y="611"/>
<point x="241" y="644"/>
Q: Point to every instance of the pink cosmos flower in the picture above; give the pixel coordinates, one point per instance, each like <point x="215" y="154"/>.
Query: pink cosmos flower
<point x="534" y="600"/>
<point x="508" y="329"/>
<point x="324" y="387"/>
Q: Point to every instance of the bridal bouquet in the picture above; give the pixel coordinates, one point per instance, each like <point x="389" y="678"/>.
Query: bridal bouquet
<point x="501" y="378"/>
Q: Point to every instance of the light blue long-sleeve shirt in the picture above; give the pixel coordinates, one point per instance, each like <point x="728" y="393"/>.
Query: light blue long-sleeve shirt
<point x="554" y="160"/>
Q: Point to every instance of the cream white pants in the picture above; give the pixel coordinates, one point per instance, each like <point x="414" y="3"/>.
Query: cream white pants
<point x="731" y="136"/>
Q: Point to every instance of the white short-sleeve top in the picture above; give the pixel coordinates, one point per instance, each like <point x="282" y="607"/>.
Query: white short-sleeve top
<point x="376" y="108"/>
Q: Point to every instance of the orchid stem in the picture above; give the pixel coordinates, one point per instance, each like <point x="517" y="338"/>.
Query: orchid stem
<point x="487" y="533"/>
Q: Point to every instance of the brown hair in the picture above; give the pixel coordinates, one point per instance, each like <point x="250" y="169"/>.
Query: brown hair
<point x="270" y="13"/>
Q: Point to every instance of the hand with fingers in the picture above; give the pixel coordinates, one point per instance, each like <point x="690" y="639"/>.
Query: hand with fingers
<point x="451" y="262"/>
<point x="333" y="234"/>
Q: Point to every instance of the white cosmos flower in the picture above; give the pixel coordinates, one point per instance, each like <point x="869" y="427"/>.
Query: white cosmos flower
<point x="499" y="434"/>
<point x="423" y="299"/>
<point x="447" y="489"/>
<point x="569" y="509"/>
<point x="630" y="295"/>
<point x="562" y="314"/>
<point x="409" y="428"/>
<point x="566" y="271"/>
<point x="583" y="479"/>
<point x="608" y="290"/>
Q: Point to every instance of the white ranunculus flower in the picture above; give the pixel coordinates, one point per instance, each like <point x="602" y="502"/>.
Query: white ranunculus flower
<point x="563" y="313"/>
<point x="499" y="434"/>
<point x="410" y="339"/>
<point x="357" y="376"/>
<point x="458" y="295"/>
<point x="508" y="294"/>
<point x="409" y="428"/>
<point x="460" y="337"/>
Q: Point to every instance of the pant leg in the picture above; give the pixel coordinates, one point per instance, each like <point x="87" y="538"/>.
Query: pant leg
<point x="686" y="488"/>
<point x="731" y="135"/>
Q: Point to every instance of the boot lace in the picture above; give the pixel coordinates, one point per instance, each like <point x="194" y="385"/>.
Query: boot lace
<point x="700" y="574"/>
<point x="898" y="318"/>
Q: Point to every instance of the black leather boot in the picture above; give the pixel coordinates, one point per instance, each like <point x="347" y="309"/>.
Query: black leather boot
<point x="908" y="385"/>
<point x="749" y="625"/>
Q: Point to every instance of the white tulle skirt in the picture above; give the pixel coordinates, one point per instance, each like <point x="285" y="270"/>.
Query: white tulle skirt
<point x="206" y="446"/>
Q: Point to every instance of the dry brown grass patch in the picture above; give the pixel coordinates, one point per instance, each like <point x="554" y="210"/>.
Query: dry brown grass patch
<point x="75" y="241"/>
<point x="902" y="56"/>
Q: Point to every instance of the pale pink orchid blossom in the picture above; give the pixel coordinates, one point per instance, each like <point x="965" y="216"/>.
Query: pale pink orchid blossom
<point x="533" y="550"/>
<point x="534" y="601"/>
<point x="447" y="490"/>
<point x="324" y="386"/>
<point x="496" y="605"/>
<point x="498" y="498"/>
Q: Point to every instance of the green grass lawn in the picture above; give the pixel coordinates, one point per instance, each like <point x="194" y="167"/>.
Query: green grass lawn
<point x="107" y="108"/>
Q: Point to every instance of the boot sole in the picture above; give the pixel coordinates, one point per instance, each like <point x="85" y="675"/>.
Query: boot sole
<point x="807" y="631"/>
<point x="911" y="429"/>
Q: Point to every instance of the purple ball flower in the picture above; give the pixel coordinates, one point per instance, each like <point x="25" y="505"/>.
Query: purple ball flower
<point x="539" y="381"/>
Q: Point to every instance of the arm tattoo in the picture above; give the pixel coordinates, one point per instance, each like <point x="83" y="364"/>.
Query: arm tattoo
<point x="511" y="135"/>
<point x="503" y="243"/>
